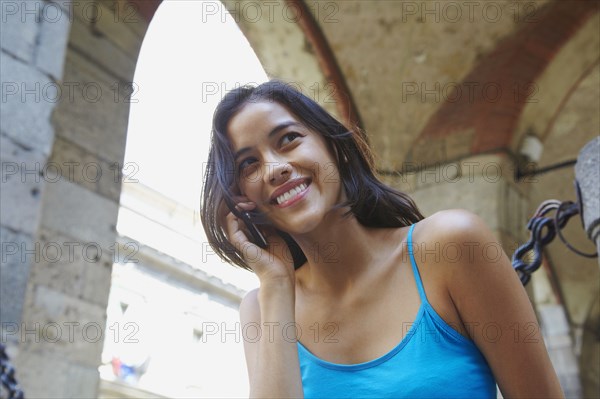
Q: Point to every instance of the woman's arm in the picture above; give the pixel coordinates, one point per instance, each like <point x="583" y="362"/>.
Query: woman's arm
<point x="495" y="308"/>
<point x="271" y="357"/>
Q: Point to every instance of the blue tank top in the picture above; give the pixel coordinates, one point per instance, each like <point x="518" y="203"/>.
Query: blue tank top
<point x="432" y="361"/>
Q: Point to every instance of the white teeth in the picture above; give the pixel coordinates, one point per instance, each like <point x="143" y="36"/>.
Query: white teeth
<point x="291" y="193"/>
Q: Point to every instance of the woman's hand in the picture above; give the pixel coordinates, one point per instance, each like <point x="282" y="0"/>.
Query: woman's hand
<point x="272" y="361"/>
<point x="273" y="263"/>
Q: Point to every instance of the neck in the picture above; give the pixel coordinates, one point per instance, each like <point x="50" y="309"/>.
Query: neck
<point x="340" y="251"/>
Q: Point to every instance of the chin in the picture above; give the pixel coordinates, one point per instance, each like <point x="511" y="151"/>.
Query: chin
<point x="302" y="223"/>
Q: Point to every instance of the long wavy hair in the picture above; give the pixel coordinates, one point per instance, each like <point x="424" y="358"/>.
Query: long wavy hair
<point x="372" y="202"/>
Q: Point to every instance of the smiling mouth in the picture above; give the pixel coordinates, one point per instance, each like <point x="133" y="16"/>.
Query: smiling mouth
<point x="292" y="194"/>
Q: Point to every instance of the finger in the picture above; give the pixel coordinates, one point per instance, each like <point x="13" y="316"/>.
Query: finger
<point x="223" y="208"/>
<point x="277" y="247"/>
<point x="235" y="233"/>
<point x="246" y="206"/>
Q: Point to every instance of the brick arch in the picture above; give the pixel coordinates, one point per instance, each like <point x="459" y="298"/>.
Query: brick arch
<point x="482" y="113"/>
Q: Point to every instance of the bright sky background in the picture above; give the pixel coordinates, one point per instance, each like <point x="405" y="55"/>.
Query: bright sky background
<point x="188" y="61"/>
<point x="185" y="55"/>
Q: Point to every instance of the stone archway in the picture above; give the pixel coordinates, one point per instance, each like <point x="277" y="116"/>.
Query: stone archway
<point x="61" y="160"/>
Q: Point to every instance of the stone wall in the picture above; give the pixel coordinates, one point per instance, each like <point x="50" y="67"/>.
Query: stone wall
<point x="66" y="88"/>
<point x="32" y="59"/>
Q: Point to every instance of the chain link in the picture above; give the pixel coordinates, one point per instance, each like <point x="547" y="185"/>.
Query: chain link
<point x="528" y="257"/>
<point x="10" y="387"/>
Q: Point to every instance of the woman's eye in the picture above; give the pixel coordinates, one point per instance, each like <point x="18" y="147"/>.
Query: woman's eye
<point x="245" y="164"/>
<point x="289" y="137"/>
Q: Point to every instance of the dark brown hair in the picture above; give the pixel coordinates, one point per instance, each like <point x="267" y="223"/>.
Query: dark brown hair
<point x="373" y="203"/>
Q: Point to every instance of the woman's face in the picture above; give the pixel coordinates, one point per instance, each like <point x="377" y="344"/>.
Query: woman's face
<point x="283" y="167"/>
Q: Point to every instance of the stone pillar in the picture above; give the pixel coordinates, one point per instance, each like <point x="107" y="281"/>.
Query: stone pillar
<point x="33" y="46"/>
<point x="587" y="173"/>
<point x="66" y="79"/>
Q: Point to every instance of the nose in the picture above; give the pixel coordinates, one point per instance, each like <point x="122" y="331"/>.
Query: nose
<point x="278" y="172"/>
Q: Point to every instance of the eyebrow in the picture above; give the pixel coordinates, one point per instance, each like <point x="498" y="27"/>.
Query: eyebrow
<point x="273" y="132"/>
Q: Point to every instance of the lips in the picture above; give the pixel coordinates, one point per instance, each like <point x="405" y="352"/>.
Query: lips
<point x="289" y="191"/>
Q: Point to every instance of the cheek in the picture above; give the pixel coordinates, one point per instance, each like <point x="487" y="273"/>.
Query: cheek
<point x="250" y="181"/>
<point x="326" y="169"/>
<point x="249" y="189"/>
<point x="251" y="175"/>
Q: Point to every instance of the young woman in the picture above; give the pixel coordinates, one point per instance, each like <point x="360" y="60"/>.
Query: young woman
<point x="356" y="297"/>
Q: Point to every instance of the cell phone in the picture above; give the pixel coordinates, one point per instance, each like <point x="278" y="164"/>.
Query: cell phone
<point x="256" y="236"/>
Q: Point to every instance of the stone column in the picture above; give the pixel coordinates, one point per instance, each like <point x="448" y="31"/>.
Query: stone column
<point x="66" y="75"/>
<point x="33" y="46"/>
<point x="587" y="173"/>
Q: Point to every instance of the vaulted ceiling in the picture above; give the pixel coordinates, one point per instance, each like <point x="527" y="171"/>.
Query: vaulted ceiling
<point x="428" y="81"/>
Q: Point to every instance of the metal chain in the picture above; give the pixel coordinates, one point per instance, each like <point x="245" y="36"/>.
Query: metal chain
<point x="543" y="230"/>
<point x="7" y="377"/>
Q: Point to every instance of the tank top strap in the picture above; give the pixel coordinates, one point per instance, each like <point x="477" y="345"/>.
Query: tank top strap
<point x="414" y="265"/>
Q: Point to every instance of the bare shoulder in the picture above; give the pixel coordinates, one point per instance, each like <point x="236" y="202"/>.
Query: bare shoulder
<point x="456" y="226"/>
<point x="486" y="292"/>
<point x="467" y="248"/>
